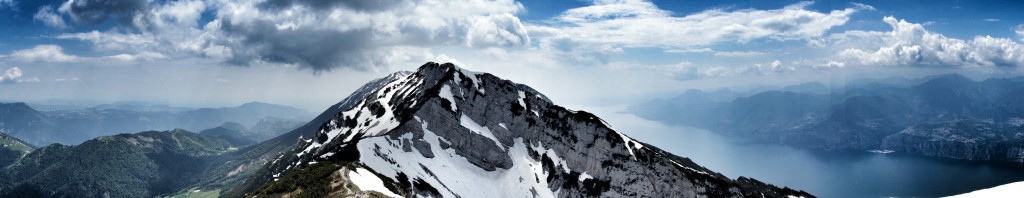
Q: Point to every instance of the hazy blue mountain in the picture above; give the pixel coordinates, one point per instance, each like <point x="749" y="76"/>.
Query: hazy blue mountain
<point x="74" y="126"/>
<point x="234" y="133"/>
<point x="141" y="106"/>
<point x="21" y="121"/>
<point x="247" y="114"/>
<point x="241" y="136"/>
<point x="928" y="117"/>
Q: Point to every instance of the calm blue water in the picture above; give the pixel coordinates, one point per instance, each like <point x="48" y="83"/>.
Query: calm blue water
<point x="823" y="173"/>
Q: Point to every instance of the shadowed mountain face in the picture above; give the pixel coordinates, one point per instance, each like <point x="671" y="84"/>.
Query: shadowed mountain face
<point x="447" y="132"/>
<point x="946" y="116"/>
<point x="145" y="164"/>
<point x="74" y="126"/>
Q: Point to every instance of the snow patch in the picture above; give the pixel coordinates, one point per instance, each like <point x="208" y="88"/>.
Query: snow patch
<point x="367" y="181"/>
<point x="453" y="175"/>
<point x="553" y="155"/>
<point x="626" y="141"/>
<point x="472" y="78"/>
<point x="369" y="124"/>
<point x="585" y="176"/>
<point x="522" y="96"/>
<point x="482" y="130"/>
<point x="326" y="155"/>
<point x="446" y="93"/>
<point x="688" y="168"/>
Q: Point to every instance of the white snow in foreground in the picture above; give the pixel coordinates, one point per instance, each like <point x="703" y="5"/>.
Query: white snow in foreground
<point x="1015" y="189"/>
<point x="446" y="93"/>
<point x="367" y="181"/>
<point x="482" y="130"/>
<point x="453" y="175"/>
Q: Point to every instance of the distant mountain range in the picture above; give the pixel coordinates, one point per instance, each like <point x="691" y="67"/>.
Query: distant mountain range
<point x="947" y="116"/>
<point x="77" y="125"/>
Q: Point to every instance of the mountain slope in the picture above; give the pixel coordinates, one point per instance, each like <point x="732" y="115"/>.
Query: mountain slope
<point x="12" y="149"/>
<point x="448" y="132"/>
<point x="75" y="126"/>
<point x="145" y="164"/>
<point x="21" y="121"/>
<point x="233" y="177"/>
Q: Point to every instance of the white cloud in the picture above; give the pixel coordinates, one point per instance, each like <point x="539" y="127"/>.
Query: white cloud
<point x="739" y="53"/>
<point x="637" y="23"/>
<point x="911" y="44"/>
<point x="691" y="50"/>
<point x="991" y="20"/>
<point x="55" y="54"/>
<point x="309" y="34"/>
<point x="7" y="3"/>
<point x="66" y="79"/>
<point x="14" y="75"/>
<point x="147" y="56"/>
<point x="864" y="6"/>
<point x="775" y="66"/>
<point x="47" y="15"/>
<point x="114" y="41"/>
<point x="43" y="53"/>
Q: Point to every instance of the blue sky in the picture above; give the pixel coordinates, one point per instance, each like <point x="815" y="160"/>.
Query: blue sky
<point x="311" y="53"/>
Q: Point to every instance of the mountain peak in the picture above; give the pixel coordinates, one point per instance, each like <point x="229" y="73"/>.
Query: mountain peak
<point x="432" y="132"/>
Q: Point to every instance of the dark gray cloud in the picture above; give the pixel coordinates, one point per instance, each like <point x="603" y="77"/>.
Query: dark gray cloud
<point x="361" y="35"/>
<point x="320" y="50"/>
<point x="94" y="12"/>
<point x="311" y="34"/>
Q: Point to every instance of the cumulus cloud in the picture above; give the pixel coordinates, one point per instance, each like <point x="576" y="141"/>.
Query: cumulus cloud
<point x="344" y="36"/>
<point x="14" y="75"/>
<point x="47" y="16"/>
<point x="315" y="34"/>
<point x="911" y="44"/>
<point x="94" y="12"/>
<point x="43" y="53"/>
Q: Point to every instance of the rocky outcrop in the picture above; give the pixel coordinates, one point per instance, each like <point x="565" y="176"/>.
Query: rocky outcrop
<point x="447" y="132"/>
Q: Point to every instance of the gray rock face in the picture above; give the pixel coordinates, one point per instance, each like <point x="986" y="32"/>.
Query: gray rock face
<point x="961" y="137"/>
<point x="447" y="132"/>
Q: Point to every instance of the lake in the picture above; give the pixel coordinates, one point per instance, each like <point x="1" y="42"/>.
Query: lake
<point x="822" y="173"/>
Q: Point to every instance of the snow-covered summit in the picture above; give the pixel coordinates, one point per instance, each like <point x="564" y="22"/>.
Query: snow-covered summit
<point x="443" y="131"/>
